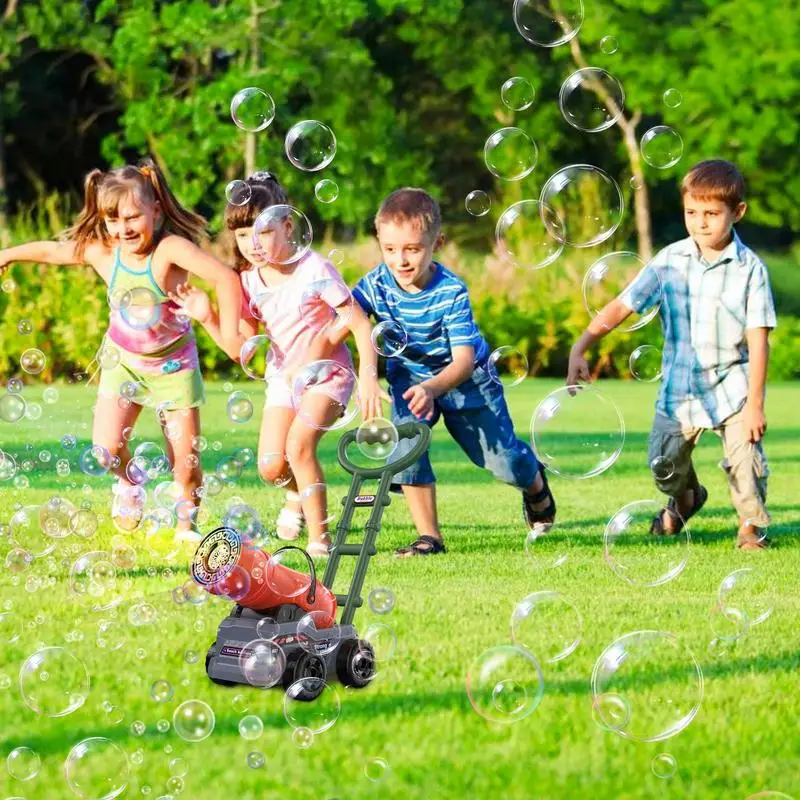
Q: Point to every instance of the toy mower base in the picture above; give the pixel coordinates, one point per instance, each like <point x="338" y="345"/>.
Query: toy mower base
<point x="344" y="656"/>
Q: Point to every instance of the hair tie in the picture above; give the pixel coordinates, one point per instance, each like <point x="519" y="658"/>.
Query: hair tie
<point x="146" y="171"/>
<point x="262" y="175"/>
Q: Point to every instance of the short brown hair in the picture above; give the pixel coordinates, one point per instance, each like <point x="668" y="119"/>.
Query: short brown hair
<point x="411" y="205"/>
<point x="265" y="191"/>
<point x="714" y="180"/>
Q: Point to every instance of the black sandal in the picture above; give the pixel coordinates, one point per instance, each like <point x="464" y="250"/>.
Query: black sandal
<point x="547" y="515"/>
<point x="657" y="525"/>
<point x="424" y="546"/>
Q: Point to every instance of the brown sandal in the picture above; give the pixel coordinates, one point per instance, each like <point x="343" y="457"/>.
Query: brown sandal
<point x="657" y="525"/>
<point x="424" y="546"/>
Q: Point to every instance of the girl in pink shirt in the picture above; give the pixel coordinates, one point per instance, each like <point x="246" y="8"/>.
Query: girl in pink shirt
<point x="300" y="305"/>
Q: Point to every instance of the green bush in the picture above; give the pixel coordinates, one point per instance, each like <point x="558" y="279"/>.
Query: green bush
<point x="540" y="312"/>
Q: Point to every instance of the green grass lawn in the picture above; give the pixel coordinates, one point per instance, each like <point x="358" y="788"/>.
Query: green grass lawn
<point x="416" y="715"/>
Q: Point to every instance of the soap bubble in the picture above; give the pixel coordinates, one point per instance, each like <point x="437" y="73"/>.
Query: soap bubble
<point x="478" y="203"/>
<point x="672" y="98"/>
<point x="95" y="461"/>
<point x="12" y="408"/>
<point x="108" y="356"/>
<point x="193" y="720"/>
<point x="662" y="468"/>
<point x="635" y="554"/>
<point x="324" y="394"/>
<point x="750" y="590"/>
<point x="302" y="738"/>
<point x="10" y="628"/>
<point x="33" y="361"/>
<point x="318" y="633"/>
<point x="662" y="147"/>
<point x="318" y="715"/>
<point x="326" y="191"/>
<point x="610" y="711"/>
<point x="283" y="234"/>
<point x="254" y="356"/>
<point x="310" y="145"/>
<point x="53" y="682"/>
<point x="728" y="624"/>
<point x="8" y="465"/>
<point x="238" y="193"/>
<point x="583" y="205"/>
<point x="240" y="407"/>
<point x="664" y="766"/>
<point x="505" y="684"/>
<point x="609" y="45"/>
<point x="23" y="763"/>
<point x="376" y="769"/>
<point x="544" y="26"/>
<point x="262" y="663"/>
<point x="548" y="625"/>
<point x="326" y="302"/>
<point x="660" y="709"/>
<point x="383" y="641"/>
<point x="591" y="100"/>
<point x="141" y="310"/>
<point x="97" y="769"/>
<point x="389" y="338"/>
<point x="161" y="691"/>
<point x="252" y="109"/>
<point x="517" y="93"/>
<point x="510" y="154"/>
<point x="267" y="628"/>
<point x="508" y="362"/>
<point x="381" y="600"/>
<point x="377" y="439"/>
<point x="523" y="235"/>
<point x="607" y="278"/>
<point x="25" y="327"/>
<point x="26" y="531"/>
<point x="250" y="727"/>
<point x="645" y="363"/>
<point x="577" y="436"/>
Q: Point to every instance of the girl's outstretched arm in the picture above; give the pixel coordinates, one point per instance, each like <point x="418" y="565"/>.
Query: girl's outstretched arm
<point x="187" y="255"/>
<point x="44" y="252"/>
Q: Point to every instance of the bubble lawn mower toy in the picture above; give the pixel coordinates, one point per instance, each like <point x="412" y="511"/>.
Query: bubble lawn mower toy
<point x="283" y="628"/>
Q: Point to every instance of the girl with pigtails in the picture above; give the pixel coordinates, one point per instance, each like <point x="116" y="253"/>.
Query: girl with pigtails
<point x="139" y="239"/>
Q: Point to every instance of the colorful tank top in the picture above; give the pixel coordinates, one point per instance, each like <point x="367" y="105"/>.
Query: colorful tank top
<point x="142" y="319"/>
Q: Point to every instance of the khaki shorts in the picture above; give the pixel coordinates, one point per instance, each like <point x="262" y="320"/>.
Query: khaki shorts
<point x="745" y="463"/>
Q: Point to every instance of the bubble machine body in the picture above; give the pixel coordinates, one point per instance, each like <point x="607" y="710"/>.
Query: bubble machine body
<point x="225" y="564"/>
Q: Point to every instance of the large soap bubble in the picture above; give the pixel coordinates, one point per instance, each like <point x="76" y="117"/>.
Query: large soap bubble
<point x="548" y="23"/>
<point x="548" y="625"/>
<point x="283" y="234"/>
<point x="633" y="668"/>
<point x="586" y="202"/>
<point x="577" y="435"/>
<point x="638" y="556"/>
<point x="526" y="235"/>
<point x="53" y="682"/>
<point x="310" y="145"/>
<point x="252" y="110"/>
<point x="591" y="100"/>
<point x="505" y="684"/>
<point x="510" y="154"/>
<point x="97" y="769"/>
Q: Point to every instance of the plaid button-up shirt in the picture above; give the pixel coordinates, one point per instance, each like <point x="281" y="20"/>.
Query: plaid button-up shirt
<point x="705" y="310"/>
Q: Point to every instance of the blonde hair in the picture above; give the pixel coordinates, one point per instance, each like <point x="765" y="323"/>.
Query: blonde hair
<point x="103" y="192"/>
<point x="714" y="179"/>
<point x="411" y="205"/>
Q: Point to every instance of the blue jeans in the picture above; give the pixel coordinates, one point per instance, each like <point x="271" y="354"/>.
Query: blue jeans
<point x="476" y="415"/>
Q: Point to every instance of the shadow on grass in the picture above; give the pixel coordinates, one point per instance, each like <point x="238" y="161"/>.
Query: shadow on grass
<point x="366" y="705"/>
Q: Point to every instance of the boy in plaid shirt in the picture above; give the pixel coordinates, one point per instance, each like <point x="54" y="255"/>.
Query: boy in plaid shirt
<point x="716" y="311"/>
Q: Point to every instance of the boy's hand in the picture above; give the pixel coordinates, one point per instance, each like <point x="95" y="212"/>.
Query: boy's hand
<point x="193" y="301"/>
<point x="755" y="423"/>
<point x="420" y="401"/>
<point x="370" y="396"/>
<point x="577" y="370"/>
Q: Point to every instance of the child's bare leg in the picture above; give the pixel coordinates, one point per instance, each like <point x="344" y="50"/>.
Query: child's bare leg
<point x="421" y="499"/>
<point x="301" y="452"/>
<point x="179" y="428"/>
<point x="110" y="420"/>
<point x="273" y="467"/>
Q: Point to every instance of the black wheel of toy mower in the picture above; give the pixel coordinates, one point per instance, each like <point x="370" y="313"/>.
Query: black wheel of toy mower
<point x="305" y="665"/>
<point x="355" y="663"/>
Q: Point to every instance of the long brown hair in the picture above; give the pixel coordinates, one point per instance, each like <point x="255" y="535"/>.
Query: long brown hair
<point x="265" y="191"/>
<point x="103" y="192"/>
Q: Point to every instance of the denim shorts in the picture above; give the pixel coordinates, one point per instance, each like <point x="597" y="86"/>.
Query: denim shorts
<point x="476" y="415"/>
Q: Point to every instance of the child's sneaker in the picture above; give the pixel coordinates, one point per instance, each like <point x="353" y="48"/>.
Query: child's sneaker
<point x="188" y="536"/>
<point x="127" y="506"/>
<point x="290" y="523"/>
<point x="535" y="517"/>
<point x="319" y="548"/>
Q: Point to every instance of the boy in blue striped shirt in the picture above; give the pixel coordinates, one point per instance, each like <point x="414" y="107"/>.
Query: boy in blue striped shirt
<point x="442" y="372"/>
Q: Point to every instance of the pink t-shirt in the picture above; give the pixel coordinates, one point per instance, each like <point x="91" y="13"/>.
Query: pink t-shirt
<point x="296" y="311"/>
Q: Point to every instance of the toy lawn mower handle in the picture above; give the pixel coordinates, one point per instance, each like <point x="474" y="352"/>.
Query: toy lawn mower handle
<point x="408" y="430"/>
<point x="312" y="589"/>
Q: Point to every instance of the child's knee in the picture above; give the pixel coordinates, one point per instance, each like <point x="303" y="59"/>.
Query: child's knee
<point x="272" y="467"/>
<point x="300" y="450"/>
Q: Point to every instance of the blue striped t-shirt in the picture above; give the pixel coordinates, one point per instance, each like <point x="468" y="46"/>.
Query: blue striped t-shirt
<point x="435" y="320"/>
